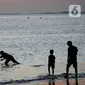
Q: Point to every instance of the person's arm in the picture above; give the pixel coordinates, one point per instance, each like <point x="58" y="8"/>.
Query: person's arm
<point x="68" y="55"/>
<point x="54" y="59"/>
<point x="2" y="59"/>
<point x="76" y="50"/>
<point x="48" y="59"/>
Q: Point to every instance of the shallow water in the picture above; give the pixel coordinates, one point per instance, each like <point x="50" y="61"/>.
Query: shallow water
<point x="29" y="41"/>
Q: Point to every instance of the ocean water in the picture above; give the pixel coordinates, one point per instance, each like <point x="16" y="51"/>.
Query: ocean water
<point x="29" y="41"/>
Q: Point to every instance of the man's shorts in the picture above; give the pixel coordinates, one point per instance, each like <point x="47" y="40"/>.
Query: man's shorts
<point x="72" y="62"/>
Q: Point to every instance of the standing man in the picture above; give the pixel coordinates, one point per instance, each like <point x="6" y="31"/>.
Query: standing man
<point x="72" y="57"/>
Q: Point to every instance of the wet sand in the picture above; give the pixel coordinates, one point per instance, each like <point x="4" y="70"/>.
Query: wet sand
<point x="39" y="72"/>
<point x="63" y="82"/>
<point x="57" y="82"/>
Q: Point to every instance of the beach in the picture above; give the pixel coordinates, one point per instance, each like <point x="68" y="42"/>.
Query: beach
<point x="29" y="42"/>
<point x="34" y="76"/>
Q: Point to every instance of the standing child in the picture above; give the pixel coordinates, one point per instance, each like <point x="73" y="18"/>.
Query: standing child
<point x="51" y="62"/>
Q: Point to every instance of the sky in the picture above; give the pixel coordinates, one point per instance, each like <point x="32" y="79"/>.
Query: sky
<point x="37" y="6"/>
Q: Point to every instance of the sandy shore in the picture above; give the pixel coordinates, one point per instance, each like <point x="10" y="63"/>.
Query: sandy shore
<point x="57" y="82"/>
<point x="36" y="76"/>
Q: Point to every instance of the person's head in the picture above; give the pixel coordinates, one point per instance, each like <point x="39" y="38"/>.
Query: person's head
<point x="1" y="52"/>
<point x="69" y="43"/>
<point x="51" y="51"/>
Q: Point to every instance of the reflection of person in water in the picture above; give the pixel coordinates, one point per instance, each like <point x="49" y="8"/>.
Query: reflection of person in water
<point x="51" y="83"/>
<point x="51" y="62"/>
<point x="7" y="57"/>
<point x="72" y="57"/>
<point x="68" y="83"/>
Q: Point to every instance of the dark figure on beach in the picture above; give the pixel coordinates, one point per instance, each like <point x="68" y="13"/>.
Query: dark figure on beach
<point x="72" y="57"/>
<point x="8" y="58"/>
<point x="51" y="62"/>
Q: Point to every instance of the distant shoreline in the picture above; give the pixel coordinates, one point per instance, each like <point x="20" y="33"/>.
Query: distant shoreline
<point x="65" y="12"/>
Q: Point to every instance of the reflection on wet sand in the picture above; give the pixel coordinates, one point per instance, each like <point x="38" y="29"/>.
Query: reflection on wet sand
<point x="51" y="83"/>
<point x="68" y="83"/>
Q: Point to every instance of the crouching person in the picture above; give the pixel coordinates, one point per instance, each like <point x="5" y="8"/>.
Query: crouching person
<point x="8" y="58"/>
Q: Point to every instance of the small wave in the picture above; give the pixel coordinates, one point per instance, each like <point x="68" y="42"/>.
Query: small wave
<point x="43" y="77"/>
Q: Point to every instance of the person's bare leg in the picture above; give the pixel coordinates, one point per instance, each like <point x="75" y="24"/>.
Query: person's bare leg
<point x="67" y="70"/>
<point x="52" y="71"/>
<point x="6" y="62"/>
<point x="76" y="72"/>
<point x="75" y="67"/>
<point x="49" y="70"/>
<point x="14" y="61"/>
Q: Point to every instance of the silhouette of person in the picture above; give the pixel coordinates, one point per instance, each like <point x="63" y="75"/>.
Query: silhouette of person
<point x="51" y="62"/>
<point x="72" y="57"/>
<point x="8" y="58"/>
